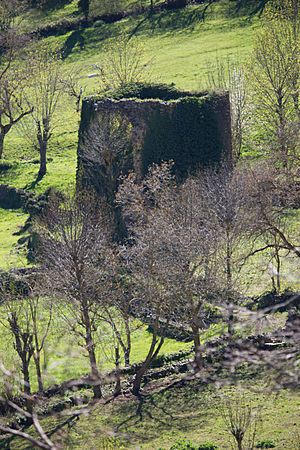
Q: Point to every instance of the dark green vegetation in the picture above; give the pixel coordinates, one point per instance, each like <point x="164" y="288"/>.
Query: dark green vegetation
<point x="193" y="130"/>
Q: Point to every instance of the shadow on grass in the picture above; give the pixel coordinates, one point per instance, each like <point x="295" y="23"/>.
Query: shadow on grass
<point x="170" y="21"/>
<point x="184" y="406"/>
<point x="76" y="37"/>
<point x="248" y="7"/>
<point x="49" y="5"/>
<point x="33" y="184"/>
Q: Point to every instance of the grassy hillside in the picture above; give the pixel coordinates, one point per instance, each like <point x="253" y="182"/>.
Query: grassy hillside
<point x="180" y="44"/>
<point x="190" y="412"/>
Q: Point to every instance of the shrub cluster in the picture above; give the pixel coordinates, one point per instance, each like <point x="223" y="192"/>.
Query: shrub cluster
<point x="185" y="444"/>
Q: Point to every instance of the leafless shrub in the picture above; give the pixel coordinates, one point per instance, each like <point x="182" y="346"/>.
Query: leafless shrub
<point x="241" y="420"/>
<point x="124" y="63"/>
<point x="229" y="75"/>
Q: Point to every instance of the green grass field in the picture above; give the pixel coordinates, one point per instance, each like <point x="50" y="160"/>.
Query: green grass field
<point x="11" y="221"/>
<point x="191" y="412"/>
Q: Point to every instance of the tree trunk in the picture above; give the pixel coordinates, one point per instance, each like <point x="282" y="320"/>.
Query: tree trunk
<point x="94" y="370"/>
<point x="26" y="377"/>
<point x="2" y="136"/>
<point x="117" y="390"/>
<point x="229" y="283"/>
<point x="43" y="160"/>
<point x="240" y="444"/>
<point x="45" y="359"/>
<point x="136" y="387"/>
<point x="91" y="352"/>
<point x="128" y="338"/>
<point x="197" y="344"/>
<point x="37" y="362"/>
<point x="152" y="354"/>
<point x="127" y="357"/>
<point x="4" y="129"/>
<point x="230" y="319"/>
<point x="43" y="135"/>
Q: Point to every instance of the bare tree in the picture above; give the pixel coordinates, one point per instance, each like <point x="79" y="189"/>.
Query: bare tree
<point x="28" y="320"/>
<point x="72" y="86"/>
<point x="13" y="106"/>
<point x="76" y="258"/>
<point x="13" y="71"/>
<point x="37" y="308"/>
<point x="152" y="299"/>
<point x="44" y="94"/>
<point x="274" y="200"/>
<point x="124" y="63"/>
<point x="170" y="257"/>
<point x="23" y="341"/>
<point x="106" y="155"/>
<point x="229" y="75"/>
<point x="118" y="315"/>
<point x="274" y="76"/>
<point x="228" y="214"/>
<point x="241" y="420"/>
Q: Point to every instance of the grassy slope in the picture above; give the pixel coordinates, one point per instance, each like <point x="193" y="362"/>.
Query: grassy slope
<point x="10" y="221"/>
<point x="190" y="412"/>
<point x="193" y="414"/>
<point x="182" y="45"/>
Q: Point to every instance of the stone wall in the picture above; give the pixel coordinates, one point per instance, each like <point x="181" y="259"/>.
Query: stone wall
<point x="194" y="130"/>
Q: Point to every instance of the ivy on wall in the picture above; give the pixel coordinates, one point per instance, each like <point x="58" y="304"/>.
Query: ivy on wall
<point x="193" y="129"/>
<point x="188" y="134"/>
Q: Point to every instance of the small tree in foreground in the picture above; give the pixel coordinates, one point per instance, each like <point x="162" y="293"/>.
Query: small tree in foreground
<point x="241" y="420"/>
<point x="28" y="321"/>
<point x="77" y="265"/>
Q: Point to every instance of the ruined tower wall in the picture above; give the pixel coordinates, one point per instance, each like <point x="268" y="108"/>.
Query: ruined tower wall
<point x="194" y="131"/>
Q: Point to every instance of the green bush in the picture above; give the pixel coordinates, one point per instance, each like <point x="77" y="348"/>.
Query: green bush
<point x="144" y="91"/>
<point x="188" y="445"/>
<point x="265" y="444"/>
<point x="183" y="445"/>
<point x="207" y="446"/>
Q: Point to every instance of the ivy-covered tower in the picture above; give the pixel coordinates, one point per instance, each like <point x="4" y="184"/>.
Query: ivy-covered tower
<point x="163" y="123"/>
